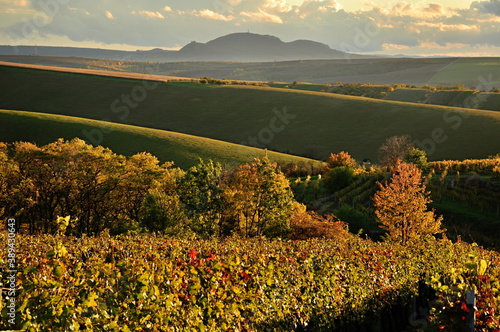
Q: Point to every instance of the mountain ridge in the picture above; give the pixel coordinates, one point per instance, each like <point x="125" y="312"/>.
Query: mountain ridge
<point x="240" y="46"/>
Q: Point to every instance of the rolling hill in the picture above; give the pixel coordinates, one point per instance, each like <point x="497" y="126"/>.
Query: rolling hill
<point x="350" y="70"/>
<point x="480" y="73"/>
<point x="299" y="122"/>
<point x="183" y="149"/>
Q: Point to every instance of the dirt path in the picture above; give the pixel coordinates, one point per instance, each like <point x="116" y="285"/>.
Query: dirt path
<point x="135" y="76"/>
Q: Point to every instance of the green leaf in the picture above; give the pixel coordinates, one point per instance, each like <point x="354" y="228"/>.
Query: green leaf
<point x="90" y="301"/>
<point x="471" y="266"/>
<point x="58" y="271"/>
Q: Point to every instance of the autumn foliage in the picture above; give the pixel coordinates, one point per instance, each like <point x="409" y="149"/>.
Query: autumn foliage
<point x="103" y="190"/>
<point x="401" y="206"/>
<point x="309" y="224"/>
<point x="341" y="159"/>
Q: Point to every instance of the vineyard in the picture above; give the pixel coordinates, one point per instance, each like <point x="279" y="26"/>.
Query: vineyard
<point x="454" y="96"/>
<point x="408" y="95"/>
<point x="467" y="192"/>
<point x="468" y="165"/>
<point x="490" y="101"/>
<point x="152" y="283"/>
<point x="352" y="204"/>
<point x="470" y="188"/>
<point x="362" y="90"/>
<point x="307" y="189"/>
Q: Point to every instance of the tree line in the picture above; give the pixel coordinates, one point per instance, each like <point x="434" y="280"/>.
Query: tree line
<point x="103" y="190"/>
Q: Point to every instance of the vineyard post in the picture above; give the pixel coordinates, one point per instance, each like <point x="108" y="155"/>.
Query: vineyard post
<point x="471" y="304"/>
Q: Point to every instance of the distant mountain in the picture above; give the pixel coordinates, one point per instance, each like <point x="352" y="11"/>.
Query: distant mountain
<point x="245" y="47"/>
<point x="254" y="47"/>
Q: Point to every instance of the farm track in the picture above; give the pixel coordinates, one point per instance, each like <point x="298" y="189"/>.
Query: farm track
<point x="93" y="72"/>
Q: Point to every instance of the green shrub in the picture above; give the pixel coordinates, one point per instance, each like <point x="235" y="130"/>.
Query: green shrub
<point x="162" y="211"/>
<point x="338" y="178"/>
<point x="356" y="219"/>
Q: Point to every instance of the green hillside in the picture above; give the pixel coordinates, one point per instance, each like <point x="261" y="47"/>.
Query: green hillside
<point x="408" y="95"/>
<point x="300" y="122"/>
<point x="482" y="73"/>
<point x="490" y="101"/>
<point x="183" y="149"/>
<point x="471" y="72"/>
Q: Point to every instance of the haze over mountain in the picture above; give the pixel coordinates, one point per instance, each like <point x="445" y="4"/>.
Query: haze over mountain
<point x="246" y="47"/>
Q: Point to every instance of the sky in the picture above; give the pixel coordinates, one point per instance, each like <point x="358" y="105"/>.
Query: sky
<point x="422" y="27"/>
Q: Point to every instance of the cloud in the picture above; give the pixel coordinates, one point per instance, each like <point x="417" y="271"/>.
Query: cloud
<point x="148" y="14"/>
<point x="401" y="8"/>
<point x="487" y="7"/>
<point x="15" y="7"/>
<point x="434" y="8"/>
<point x="310" y="7"/>
<point x="281" y="6"/>
<point x="262" y="16"/>
<point x="448" y="27"/>
<point x="387" y="46"/>
<point x="372" y="28"/>
<point x="433" y="45"/>
<point x="109" y="15"/>
<point x="207" y="13"/>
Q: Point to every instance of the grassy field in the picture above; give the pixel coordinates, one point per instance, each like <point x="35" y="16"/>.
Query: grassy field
<point x="299" y="122"/>
<point x="377" y="71"/>
<point x="408" y="95"/>
<point x="482" y="73"/>
<point x="450" y="98"/>
<point x="300" y="86"/>
<point x="471" y="72"/>
<point x="183" y="149"/>
<point x="455" y="98"/>
<point x="490" y="101"/>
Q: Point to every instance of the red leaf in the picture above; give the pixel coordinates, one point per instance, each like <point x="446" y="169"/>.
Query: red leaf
<point x="245" y="276"/>
<point x="193" y="253"/>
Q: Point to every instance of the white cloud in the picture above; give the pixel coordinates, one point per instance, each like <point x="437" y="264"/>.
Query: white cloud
<point x="262" y="16"/>
<point x="448" y="27"/>
<point x="207" y="13"/>
<point x="109" y="15"/>
<point x="434" y="8"/>
<point x="281" y="6"/>
<point x="15" y="7"/>
<point x="433" y="45"/>
<point x="392" y="47"/>
<point x="148" y="14"/>
<point x="167" y="9"/>
<point x="315" y="8"/>
<point x="79" y="10"/>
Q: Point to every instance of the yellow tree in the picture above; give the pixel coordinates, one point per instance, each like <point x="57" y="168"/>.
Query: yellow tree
<point x="258" y="200"/>
<point x="341" y="159"/>
<point x="401" y="206"/>
<point x="8" y="182"/>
